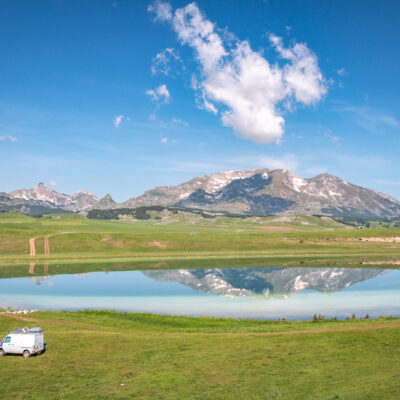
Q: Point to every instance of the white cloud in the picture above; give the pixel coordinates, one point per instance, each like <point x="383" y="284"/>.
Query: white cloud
<point x="162" y="10"/>
<point x="165" y="61"/>
<point x="164" y="140"/>
<point x="52" y="183"/>
<point x="342" y="72"/>
<point x="387" y="119"/>
<point x="8" y="138"/>
<point x="152" y="93"/>
<point x="288" y="161"/>
<point x="117" y="120"/>
<point x="328" y="134"/>
<point x="204" y="104"/>
<point x="332" y="138"/>
<point x="368" y="118"/>
<point x="178" y="121"/>
<point x="302" y="76"/>
<point x="250" y="91"/>
<point x="161" y="93"/>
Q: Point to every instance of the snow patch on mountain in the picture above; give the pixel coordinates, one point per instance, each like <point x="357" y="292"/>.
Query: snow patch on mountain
<point x="221" y="179"/>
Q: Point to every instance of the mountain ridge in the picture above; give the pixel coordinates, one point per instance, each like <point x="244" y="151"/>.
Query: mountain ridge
<point x="259" y="191"/>
<point x="263" y="192"/>
<point x="45" y="198"/>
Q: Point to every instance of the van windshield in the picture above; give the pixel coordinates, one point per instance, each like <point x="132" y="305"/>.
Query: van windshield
<point x="7" y="340"/>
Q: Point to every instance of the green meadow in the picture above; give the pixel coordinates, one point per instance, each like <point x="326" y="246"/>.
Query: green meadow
<point x="107" y="355"/>
<point x="276" y="240"/>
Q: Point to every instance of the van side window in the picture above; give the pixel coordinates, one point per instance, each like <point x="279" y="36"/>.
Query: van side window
<point x="7" y="339"/>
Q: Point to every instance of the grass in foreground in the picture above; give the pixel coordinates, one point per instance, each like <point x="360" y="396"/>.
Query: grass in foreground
<point x="107" y="355"/>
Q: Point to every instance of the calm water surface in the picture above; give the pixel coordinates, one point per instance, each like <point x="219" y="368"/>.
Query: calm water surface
<point x="265" y="293"/>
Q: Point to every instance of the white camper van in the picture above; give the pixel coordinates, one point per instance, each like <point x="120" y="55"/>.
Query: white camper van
<point x="23" y="341"/>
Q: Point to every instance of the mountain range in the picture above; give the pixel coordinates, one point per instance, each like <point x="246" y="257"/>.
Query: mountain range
<point x="41" y="199"/>
<point x="252" y="192"/>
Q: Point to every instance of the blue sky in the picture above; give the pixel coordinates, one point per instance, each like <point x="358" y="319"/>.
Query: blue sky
<point x="121" y="96"/>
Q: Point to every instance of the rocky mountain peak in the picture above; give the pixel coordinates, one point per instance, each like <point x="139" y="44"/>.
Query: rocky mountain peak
<point x="83" y="192"/>
<point x="41" y="195"/>
<point x="327" y="177"/>
<point x="105" y="203"/>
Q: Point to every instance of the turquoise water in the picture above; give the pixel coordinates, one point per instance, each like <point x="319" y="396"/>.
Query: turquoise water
<point x="265" y="293"/>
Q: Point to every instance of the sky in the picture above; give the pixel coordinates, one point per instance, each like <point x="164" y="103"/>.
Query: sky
<point x="120" y="96"/>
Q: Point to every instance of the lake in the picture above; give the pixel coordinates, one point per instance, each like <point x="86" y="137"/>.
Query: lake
<point x="262" y="293"/>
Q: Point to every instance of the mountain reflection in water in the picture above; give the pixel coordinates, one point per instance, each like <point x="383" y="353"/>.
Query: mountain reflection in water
<point x="265" y="293"/>
<point x="265" y="282"/>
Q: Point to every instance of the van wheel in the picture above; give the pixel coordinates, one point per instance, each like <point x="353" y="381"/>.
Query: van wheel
<point x="2" y="353"/>
<point x="26" y="354"/>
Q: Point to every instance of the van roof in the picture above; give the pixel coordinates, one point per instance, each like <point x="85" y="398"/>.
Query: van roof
<point x="27" y="330"/>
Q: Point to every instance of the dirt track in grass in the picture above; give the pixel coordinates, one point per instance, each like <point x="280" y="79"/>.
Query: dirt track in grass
<point x="32" y="247"/>
<point x="46" y="248"/>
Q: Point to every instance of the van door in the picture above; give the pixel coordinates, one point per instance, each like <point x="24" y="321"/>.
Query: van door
<point x="9" y="344"/>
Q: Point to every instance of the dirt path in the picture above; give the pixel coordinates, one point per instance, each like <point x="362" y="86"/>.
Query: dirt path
<point x="350" y="329"/>
<point x="46" y="238"/>
<point x="46" y="245"/>
<point x="32" y="247"/>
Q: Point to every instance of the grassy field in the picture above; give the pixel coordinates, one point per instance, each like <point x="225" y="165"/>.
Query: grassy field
<point x="107" y="355"/>
<point x="74" y="239"/>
